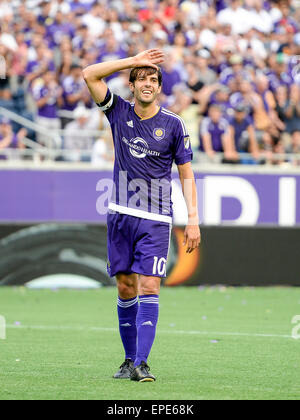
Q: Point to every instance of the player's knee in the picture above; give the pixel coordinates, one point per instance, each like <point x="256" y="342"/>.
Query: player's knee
<point x="126" y="286"/>
<point x="149" y="286"/>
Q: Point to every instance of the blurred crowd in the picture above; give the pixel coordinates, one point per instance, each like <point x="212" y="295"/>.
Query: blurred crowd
<point x="232" y="71"/>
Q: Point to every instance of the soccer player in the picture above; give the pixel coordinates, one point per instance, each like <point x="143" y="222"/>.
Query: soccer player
<point x="147" y="139"/>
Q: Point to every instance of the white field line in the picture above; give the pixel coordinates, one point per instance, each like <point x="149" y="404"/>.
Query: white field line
<point x="171" y="331"/>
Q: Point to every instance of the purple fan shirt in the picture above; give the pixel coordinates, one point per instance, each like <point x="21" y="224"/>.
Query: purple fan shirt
<point x="216" y="132"/>
<point x="170" y="79"/>
<point x="106" y="55"/>
<point x="56" y="32"/>
<point x="239" y="128"/>
<point x="70" y="87"/>
<point x="49" y="110"/>
<point x="144" y="153"/>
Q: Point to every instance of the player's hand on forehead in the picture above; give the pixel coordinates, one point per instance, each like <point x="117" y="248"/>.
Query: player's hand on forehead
<point x="149" y="58"/>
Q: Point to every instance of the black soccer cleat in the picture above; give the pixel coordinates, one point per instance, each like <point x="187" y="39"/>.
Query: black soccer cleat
<point x="141" y="373"/>
<point x="125" y="371"/>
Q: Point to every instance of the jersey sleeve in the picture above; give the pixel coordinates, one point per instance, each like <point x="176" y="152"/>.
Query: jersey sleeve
<point x="182" y="146"/>
<point x="113" y="106"/>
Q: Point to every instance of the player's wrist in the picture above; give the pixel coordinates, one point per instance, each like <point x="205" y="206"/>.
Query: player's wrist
<point x="193" y="220"/>
<point x="132" y="62"/>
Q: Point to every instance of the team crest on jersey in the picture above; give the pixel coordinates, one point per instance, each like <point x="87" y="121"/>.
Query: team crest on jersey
<point x="187" y="142"/>
<point x="159" y="133"/>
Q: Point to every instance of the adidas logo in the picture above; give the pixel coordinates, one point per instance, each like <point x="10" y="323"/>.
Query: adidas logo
<point x="130" y="123"/>
<point x="148" y="323"/>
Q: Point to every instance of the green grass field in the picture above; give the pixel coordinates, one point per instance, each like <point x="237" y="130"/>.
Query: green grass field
<point x="212" y="343"/>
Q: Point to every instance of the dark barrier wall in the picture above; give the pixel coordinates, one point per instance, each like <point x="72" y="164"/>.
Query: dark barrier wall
<point x="249" y="256"/>
<point x="228" y="255"/>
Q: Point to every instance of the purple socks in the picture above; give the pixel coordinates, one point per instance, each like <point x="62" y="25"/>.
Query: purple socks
<point x="146" y="321"/>
<point x="137" y="325"/>
<point x="127" y="311"/>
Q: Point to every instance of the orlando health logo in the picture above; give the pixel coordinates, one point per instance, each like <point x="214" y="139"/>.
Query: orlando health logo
<point x="139" y="148"/>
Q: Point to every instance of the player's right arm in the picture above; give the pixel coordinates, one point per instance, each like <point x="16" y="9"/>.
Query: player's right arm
<point x="95" y="73"/>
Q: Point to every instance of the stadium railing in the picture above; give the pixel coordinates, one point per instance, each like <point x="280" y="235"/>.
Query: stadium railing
<point x="37" y="152"/>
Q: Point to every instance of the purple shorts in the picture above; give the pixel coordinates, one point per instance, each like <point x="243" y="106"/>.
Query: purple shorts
<point x="137" y="245"/>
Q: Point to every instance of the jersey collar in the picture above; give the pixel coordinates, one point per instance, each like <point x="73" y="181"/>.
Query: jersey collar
<point x="148" y="118"/>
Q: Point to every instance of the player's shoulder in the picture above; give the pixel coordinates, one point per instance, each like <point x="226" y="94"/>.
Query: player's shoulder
<point x="114" y="102"/>
<point x="122" y="102"/>
<point x="174" y="119"/>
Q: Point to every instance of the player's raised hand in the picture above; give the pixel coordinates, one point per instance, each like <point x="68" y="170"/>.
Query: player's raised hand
<point x="149" y="58"/>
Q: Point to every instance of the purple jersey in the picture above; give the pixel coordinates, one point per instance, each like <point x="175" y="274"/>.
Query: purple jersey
<point x="170" y="79"/>
<point x="56" y="32"/>
<point x="239" y="128"/>
<point x="70" y="87"/>
<point x="144" y="153"/>
<point x="49" y="110"/>
<point x="226" y="106"/>
<point x="216" y="132"/>
<point x="34" y="66"/>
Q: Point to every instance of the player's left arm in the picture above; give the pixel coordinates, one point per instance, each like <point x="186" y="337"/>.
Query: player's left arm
<point x="192" y="234"/>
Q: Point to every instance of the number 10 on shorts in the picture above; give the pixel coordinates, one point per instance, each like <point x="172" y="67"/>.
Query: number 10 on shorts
<point x="159" y="266"/>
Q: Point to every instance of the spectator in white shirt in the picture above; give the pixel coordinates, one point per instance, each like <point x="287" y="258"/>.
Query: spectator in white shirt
<point x="261" y="19"/>
<point x="237" y="16"/>
<point x="75" y="138"/>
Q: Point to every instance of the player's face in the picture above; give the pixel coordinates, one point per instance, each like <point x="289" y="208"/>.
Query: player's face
<point x="145" y="88"/>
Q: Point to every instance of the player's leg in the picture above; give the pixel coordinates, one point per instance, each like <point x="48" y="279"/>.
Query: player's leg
<point x="120" y="256"/>
<point x="127" y="312"/>
<point x="150" y="258"/>
<point x="147" y="317"/>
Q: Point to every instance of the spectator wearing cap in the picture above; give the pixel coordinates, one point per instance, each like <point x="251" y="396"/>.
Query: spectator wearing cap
<point x="235" y="69"/>
<point x="214" y="135"/>
<point x="206" y="75"/>
<point x="48" y="96"/>
<point x="241" y="132"/>
<point x="221" y="98"/>
<point x="8" y="139"/>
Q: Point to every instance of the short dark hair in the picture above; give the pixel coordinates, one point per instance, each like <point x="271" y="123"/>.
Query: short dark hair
<point x="136" y="71"/>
